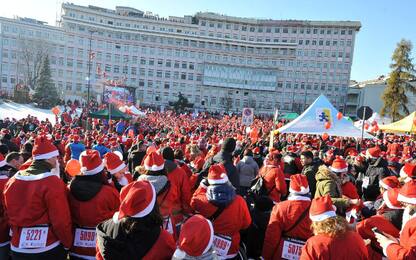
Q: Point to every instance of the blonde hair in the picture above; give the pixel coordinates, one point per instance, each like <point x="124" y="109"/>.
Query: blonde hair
<point x="324" y="170"/>
<point x="332" y="227"/>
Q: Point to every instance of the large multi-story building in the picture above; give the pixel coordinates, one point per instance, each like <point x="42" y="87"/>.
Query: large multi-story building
<point x="218" y="62"/>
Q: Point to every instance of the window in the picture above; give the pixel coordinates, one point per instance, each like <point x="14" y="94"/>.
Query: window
<point x="68" y="86"/>
<point x="315" y="31"/>
<point x="342" y="32"/>
<point x="184" y="65"/>
<point x="183" y="75"/>
<point x="285" y="30"/>
<point x="159" y="73"/>
<point x="349" y="32"/>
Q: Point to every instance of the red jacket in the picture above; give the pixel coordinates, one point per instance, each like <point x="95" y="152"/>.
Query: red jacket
<point x="406" y="250"/>
<point x="322" y="247"/>
<point x="4" y="225"/>
<point x="89" y="213"/>
<point x="364" y="229"/>
<point x="234" y="218"/>
<point x="35" y="200"/>
<point x="284" y="215"/>
<point x="179" y="194"/>
<point x="274" y="181"/>
<point x="163" y="249"/>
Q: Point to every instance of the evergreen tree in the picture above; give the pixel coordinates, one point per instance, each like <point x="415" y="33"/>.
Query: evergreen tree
<point x="394" y="96"/>
<point x="46" y="95"/>
<point x="181" y="104"/>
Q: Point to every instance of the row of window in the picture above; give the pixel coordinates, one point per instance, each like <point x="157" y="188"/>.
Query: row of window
<point x="261" y="29"/>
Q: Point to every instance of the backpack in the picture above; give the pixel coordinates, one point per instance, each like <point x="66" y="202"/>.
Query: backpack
<point x="258" y="187"/>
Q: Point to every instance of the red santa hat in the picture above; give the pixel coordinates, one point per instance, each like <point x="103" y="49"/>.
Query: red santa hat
<point x="298" y="184"/>
<point x="154" y="162"/>
<point x="217" y="174"/>
<point x="339" y="165"/>
<point x="113" y="163"/>
<point x="196" y="237"/>
<point x="353" y="152"/>
<point x="75" y="138"/>
<point x="389" y="182"/>
<point x="44" y="149"/>
<point x="407" y="193"/>
<point x="373" y="152"/>
<point x="322" y="208"/>
<point x="390" y="198"/>
<point x="91" y="162"/>
<point x="408" y="171"/>
<point x="2" y="160"/>
<point x="137" y="200"/>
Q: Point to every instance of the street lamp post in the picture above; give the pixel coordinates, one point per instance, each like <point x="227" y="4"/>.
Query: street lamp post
<point x="89" y="78"/>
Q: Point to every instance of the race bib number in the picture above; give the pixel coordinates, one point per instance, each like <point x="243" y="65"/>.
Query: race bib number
<point x="34" y="237"/>
<point x="366" y="181"/>
<point x="292" y="248"/>
<point x="167" y="224"/>
<point x="84" y="237"/>
<point x="221" y="244"/>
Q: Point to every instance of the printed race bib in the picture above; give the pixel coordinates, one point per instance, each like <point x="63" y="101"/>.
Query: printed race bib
<point x="34" y="237"/>
<point x="84" y="237"/>
<point x="292" y="248"/>
<point x="366" y="181"/>
<point x="221" y="244"/>
<point x="167" y="224"/>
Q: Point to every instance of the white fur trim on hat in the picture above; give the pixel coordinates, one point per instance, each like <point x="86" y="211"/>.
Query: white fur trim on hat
<point x="46" y="156"/>
<point x="155" y="167"/>
<point x="118" y="168"/>
<point x="115" y="217"/>
<point x="224" y="179"/>
<point x="2" y="163"/>
<point x="338" y="170"/>
<point x="388" y="202"/>
<point x="303" y="190"/>
<point x="383" y="185"/>
<point x="179" y="254"/>
<point x="33" y="177"/>
<point x="325" y="215"/>
<point x="406" y="199"/>
<point x="403" y="174"/>
<point x="149" y="207"/>
<point x="211" y="238"/>
<point x="96" y="170"/>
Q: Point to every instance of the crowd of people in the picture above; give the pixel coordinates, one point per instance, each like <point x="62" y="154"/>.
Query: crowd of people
<point x="182" y="186"/>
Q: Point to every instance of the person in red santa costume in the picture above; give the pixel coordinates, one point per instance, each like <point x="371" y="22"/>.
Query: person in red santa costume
<point x="37" y="207"/>
<point x="134" y="232"/>
<point x="166" y="190"/>
<point x="332" y="239"/>
<point x="274" y="180"/>
<point x="289" y="220"/>
<point x="216" y="200"/>
<point x="405" y="246"/>
<point x="4" y="225"/>
<point x="91" y="200"/>
<point x="196" y="240"/>
<point x="385" y="222"/>
<point x="120" y="177"/>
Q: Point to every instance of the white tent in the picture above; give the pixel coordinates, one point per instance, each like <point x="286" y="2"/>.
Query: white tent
<point x="375" y="117"/>
<point x="313" y="119"/>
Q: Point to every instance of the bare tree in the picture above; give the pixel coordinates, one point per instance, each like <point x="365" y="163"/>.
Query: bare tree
<point x="31" y="53"/>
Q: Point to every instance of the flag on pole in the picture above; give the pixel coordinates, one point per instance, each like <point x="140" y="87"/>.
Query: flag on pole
<point x="276" y="115"/>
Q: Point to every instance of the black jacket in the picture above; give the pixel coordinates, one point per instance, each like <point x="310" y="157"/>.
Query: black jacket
<point x="227" y="159"/>
<point x="377" y="170"/>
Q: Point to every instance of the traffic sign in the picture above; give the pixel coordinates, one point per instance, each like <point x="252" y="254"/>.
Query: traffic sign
<point x="364" y="112"/>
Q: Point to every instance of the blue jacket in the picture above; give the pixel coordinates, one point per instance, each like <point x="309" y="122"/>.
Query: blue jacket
<point x="76" y="150"/>
<point x="120" y="127"/>
<point x="101" y="149"/>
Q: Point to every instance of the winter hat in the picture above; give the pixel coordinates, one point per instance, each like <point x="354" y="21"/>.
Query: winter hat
<point x="299" y="184"/>
<point x="113" y="163"/>
<point x="2" y="160"/>
<point x="196" y="237"/>
<point x="168" y="154"/>
<point x="229" y="145"/>
<point x="75" y="138"/>
<point x="91" y="162"/>
<point x="256" y="150"/>
<point x="390" y="198"/>
<point x="339" y="165"/>
<point x="217" y="174"/>
<point x="44" y="149"/>
<point x="407" y="193"/>
<point x="137" y="200"/>
<point x="154" y="162"/>
<point x="389" y="182"/>
<point x="322" y="208"/>
<point x="408" y="171"/>
<point x="373" y="152"/>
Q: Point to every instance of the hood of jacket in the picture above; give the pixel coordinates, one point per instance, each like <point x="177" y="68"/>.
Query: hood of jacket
<point x="181" y="255"/>
<point x="159" y="182"/>
<point x="221" y="195"/>
<point x="378" y="162"/>
<point x="322" y="176"/>
<point x="85" y="187"/>
<point x="37" y="167"/>
<point x="248" y="160"/>
<point x="223" y="156"/>
<point x="115" y="244"/>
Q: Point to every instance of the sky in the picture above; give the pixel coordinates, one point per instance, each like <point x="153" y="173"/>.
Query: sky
<point x="384" y="22"/>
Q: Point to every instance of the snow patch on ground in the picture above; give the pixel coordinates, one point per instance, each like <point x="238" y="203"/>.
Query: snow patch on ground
<point x="19" y="111"/>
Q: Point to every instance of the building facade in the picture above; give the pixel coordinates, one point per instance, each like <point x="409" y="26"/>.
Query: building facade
<point x="220" y="63"/>
<point x="369" y="93"/>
